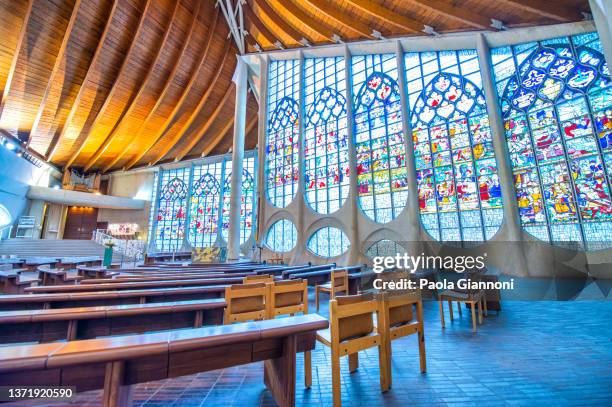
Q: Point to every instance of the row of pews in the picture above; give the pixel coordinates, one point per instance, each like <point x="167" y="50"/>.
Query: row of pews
<point x="110" y="329"/>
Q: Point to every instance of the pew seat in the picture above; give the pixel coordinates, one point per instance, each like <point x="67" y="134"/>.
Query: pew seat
<point x="13" y="282"/>
<point x="90" y="322"/>
<point x="115" y="364"/>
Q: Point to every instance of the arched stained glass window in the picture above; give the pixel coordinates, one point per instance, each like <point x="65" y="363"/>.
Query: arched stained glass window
<point x="384" y="248"/>
<point x="326" y="176"/>
<point x="204" y="208"/>
<point x="556" y="99"/>
<point x="171" y="210"/>
<point x="459" y="190"/>
<point x="328" y="242"/>
<point x="247" y="200"/>
<point x="283" y="129"/>
<point x="379" y="139"/>
<point x="282" y="236"/>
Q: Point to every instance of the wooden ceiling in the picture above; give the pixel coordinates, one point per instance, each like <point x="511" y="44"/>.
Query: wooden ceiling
<point x="109" y="84"/>
<point x="275" y="24"/>
<point x="103" y="85"/>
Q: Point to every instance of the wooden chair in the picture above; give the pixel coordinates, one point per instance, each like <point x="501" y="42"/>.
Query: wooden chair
<point x="400" y="322"/>
<point x="245" y="302"/>
<point x="339" y="283"/>
<point x="290" y="297"/>
<point x="261" y="278"/>
<point x="473" y="297"/>
<point x="352" y="330"/>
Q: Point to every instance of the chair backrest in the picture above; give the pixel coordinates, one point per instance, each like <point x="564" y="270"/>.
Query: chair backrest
<point x="245" y="302"/>
<point x="288" y="297"/>
<point x="351" y="316"/>
<point x="339" y="279"/>
<point x="400" y="306"/>
<point x="262" y="278"/>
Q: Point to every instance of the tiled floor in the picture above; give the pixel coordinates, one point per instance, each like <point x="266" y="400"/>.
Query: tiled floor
<point x="531" y="354"/>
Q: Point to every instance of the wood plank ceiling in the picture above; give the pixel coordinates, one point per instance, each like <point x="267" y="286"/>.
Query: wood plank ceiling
<point x="103" y="85"/>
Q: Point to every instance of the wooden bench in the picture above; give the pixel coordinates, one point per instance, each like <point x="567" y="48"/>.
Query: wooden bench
<point x="55" y="277"/>
<point x="95" y="272"/>
<point x="12" y="282"/>
<point x="103" y="298"/>
<point x="71" y="263"/>
<point x="139" y="285"/>
<point x="322" y="276"/>
<point x="33" y="263"/>
<point x="115" y="364"/>
<point x="306" y="269"/>
<point x="124" y="278"/>
<point x="161" y="257"/>
<point x="16" y="263"/>
<point x="91" y="322"/>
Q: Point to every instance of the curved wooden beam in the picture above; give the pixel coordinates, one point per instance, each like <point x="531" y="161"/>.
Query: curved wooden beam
<point x="288" y="7"/>
<point x="11" y="73"/>
<point x="132" y="101"/>
<point x="169" y="80"/>
<point x="460" y="14"/>
<point x="196" y="111"/>
<point x="264" y="8"/>
<point x="355" y="26"/>
<point x="114" y="88"/>
<point x="58" y="136"/>
<point x="548" y="9"/>
<point x="261" y="27"/>
<point x="56" y="67"/>
<point x="170" y="119"/>
<point x="211" y="119"/>
<point x="221" y="135"/>
<point x="390" y="17"/>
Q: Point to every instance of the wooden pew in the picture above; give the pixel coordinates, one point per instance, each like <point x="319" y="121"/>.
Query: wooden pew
<point x="115" y="364"/>
<point x="95" y="272"/>
<point x="71" y="263"/>
<point x="157" y="270"/>
<point x="16" y="263"/>
<point x="33" y="263"/>
<point x="55" y="277"/>
<point x="139" y="285"/>
<point x="164" y="277"/>
<point x="11" y="282"/>
<point x="300" y="269"/>
<point x="103" y="298"/>
<point x="323" y="275"/>
<point x="91" y="322"/>
<point x="151" y="258"/>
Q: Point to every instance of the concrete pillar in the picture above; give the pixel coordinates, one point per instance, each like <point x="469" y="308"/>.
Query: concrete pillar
<point x="37" y="210"/>
<point x="353" y="198"/>
<point x="412" y="206"/>
<point x="504" y="166"/>
<point x="300" y="195"/>
<point x="186" y="246"/>
<point x="240" y="79"/>
<point x="152" y="244"/>
<point x="601" y="10"/>
<point x="261" y="149"/>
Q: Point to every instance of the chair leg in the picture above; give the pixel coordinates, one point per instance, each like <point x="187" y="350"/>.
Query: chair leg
<point x="353" y="362"/>
<point x="421" y="333"/>
<point x="473" y="306"/>
<point x="480" y="311"/>
<point x="384" y="366"/>
<point x="459" y="308"/>
<point x="450" y="310"/>
<point x="484" y="301"/>
<point x="307" y="369"/>
<point x="317" y="297"/>
<point x="441" y="313"/>
<point x="336" y="388"/>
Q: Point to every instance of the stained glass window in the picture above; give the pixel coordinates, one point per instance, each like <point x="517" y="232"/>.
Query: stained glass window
<point x="459" y="190"/>
<point x="247" y="200"/>
<point x="204" y="208"/>
<point x="328" y="242"/>
<point x="384" y="248"/>
<point x="282" y="171"/>
<point x="171" y="210"/>
<point x="282" y="236"/>
<point x="379" y="139"/>
<point x="326" y="177"/>
<point x="556" y="100"/>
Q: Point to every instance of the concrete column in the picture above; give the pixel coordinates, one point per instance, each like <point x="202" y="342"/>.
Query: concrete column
<point x="240" y="79"/>
<point x="37" y="210"/>
<point x="261" y="149"/>
<point x="151" y="244"/>
<point x="300" y="196"/>
<point x="412" y="207"/>
<point x="504" y="166"/>
<point x="601" y="10"/>
<point x="186" y="246"/>
<point x="353" y="198"/>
